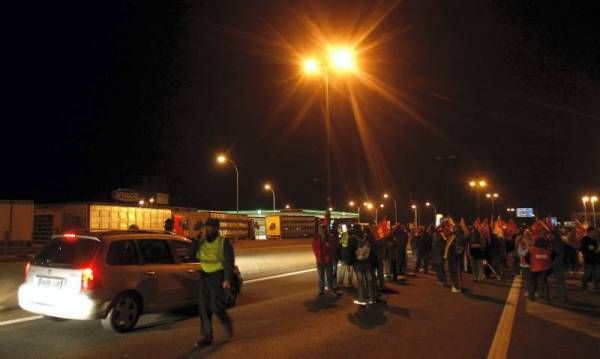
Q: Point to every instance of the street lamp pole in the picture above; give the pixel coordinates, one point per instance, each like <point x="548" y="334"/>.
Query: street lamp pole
<point x="223" y="159"/>
<point x="414" y="207"/>
<point x="593" y="200"/>
<point x="268" y="187"/>
<point x="434" y="210"/>
<point x="385" y="195"/>
<point x="585" y="200"/>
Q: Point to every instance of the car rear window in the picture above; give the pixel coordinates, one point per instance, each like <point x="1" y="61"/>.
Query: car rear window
<point x="71" y="253"/>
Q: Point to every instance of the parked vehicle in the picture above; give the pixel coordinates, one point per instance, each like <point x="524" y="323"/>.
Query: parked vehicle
<point x="113" y="276"/>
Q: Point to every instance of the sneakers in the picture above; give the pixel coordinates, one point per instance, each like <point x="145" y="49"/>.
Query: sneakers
<point x="455" y="290"/>
<point x="358" y="302"/>
<point x="204" y="342"/>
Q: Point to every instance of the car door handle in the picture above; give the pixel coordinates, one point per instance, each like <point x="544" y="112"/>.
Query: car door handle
<point x="150" y="273"/>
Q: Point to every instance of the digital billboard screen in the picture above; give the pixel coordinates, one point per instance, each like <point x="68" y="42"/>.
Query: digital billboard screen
<point x="525" y="213"/>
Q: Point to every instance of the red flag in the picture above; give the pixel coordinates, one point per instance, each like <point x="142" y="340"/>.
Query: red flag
<point x="382" y="229"/>
<point x="499" y="227"/>
<point x="477" y="223"/>
<point x="484" y="230"/>
<point x="539" y="229"/>
<point x="511" y="228"/>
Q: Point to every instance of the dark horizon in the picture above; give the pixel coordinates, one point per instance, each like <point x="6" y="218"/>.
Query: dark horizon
<point x="144" y="95"/>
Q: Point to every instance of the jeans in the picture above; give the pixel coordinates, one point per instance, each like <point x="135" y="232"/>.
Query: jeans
<point x="591" y="271"/>
<point x="561" y="286"/>
<point x="526" y="277"/>
<point x="392" y="266"/>
<point x="334" y="272"/>
<point x="402" y="261"/>
<point x="440" y="271"/>
<point x="477" y="269"/>
<point x="455" y="267"/>
<point x="380" y="278"/>
<point x="345" y="270"/>
<point x="210" y="301"/>
<point x="422" y="261"/>
<point x="542" y="277"/>
<point x="325" y="273"/>
<point x="366" y="287"/>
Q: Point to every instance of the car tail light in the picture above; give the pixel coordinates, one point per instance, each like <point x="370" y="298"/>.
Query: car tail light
<point x="70" y="236"/>
<point x="87" y="279"/>
<point x="27" y="266"/>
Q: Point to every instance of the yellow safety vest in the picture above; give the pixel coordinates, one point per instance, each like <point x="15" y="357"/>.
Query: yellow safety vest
<point x="211" y="255"/>
<point x="345" y="239"/>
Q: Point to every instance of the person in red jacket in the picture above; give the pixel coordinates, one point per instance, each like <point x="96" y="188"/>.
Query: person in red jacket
<point x="540" y="262"/>
<point x="322" y="248"/>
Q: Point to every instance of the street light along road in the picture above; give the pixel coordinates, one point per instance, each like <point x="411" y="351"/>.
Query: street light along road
<point x="339" y="59"/>
<point x="268" y="187"/>
<point x="478" y="185"/>
<point x="222" y="159"/>
<point x="386" y="196"/>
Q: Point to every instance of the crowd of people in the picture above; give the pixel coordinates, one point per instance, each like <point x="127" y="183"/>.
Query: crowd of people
<point x="371" y="255"/>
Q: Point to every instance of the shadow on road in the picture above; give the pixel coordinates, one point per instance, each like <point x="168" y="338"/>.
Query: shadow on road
<point x="164" y="321"/>
<point x="369" y="317"/>
<point x="469" y="294"/>
<point x="321" y="302"/>
<point x="202" y="352"/>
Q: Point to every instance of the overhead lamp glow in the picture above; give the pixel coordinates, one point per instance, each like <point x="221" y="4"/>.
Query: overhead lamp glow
<point x="342" y="58"/>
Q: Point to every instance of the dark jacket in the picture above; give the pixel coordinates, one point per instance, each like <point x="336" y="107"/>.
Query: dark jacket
<point x="438" y="246"/>
<point x="426" y="243"/>
<point x="477" y="245"/>
<point x="559" y="261"/>
<point x="588" y="247"/>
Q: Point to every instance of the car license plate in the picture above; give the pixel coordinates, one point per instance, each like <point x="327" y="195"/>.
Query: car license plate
<point x="50" y="283"/>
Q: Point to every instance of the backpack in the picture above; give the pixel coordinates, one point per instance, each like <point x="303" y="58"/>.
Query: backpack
<point x="363" y="251"/>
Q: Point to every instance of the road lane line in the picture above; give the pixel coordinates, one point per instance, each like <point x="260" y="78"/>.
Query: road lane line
<point x="501" y="342"/>
<point x="279" y="276"/>
<point x="20" y="320"/>
<point x="36" y="317"/>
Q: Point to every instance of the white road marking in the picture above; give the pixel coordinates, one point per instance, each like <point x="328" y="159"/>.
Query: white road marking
<point x="501" y="342"/>
<point x="36" y="317"/>
<point x="20" y="320"/>
<point x="279" y="276"/>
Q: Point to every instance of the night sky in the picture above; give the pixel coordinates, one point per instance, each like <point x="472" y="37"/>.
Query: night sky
<point x="144" y="94"/>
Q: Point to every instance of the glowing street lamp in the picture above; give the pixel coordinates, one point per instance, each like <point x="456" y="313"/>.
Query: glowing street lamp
<point x="492" y="197"/>
<point x="340" y="59"/>
<point x="357" y="206"/>
<point x="141" y="202"/>
<point x="386" y="196"/>
<point x="222" y="159"/>
<point x="268" y="187"/>
<point x="430" y="204"/>
<point x="310" y="66"/>
<point x="585" y="200"/>
<point x="478" y="185"/>
<point x="287" y="206"/>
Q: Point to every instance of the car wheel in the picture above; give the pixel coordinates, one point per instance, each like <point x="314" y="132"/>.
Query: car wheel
<point x="124" y="313"/>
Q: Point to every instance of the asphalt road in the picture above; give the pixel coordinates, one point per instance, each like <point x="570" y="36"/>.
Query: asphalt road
<point x="283" y="318"/>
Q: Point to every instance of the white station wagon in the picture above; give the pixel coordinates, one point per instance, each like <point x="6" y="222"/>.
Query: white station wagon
<point x="113" y="276"/>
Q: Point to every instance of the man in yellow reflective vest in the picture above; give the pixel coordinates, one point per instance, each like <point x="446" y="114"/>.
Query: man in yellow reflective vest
<point x="216" y="257"/>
